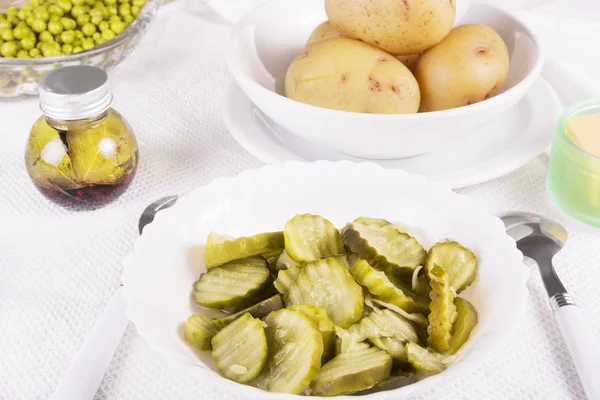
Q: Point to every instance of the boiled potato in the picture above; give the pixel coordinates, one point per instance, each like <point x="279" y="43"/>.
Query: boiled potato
<point x="349" y="75"/>
<point x="324" y="31"/>
<point x="399" y="27"/>
<point x="410" y="60"/>
<point x="468" y="66"/>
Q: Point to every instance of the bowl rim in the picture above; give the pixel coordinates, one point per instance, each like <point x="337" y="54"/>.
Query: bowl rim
<point x="138" y="24"/>
<point x="454" y="371"/>
<point x="244" y="81"/>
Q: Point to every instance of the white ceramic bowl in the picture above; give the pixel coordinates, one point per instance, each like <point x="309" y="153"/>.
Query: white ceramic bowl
<point x="168" y="257"/>
<point x="265" y="41"/>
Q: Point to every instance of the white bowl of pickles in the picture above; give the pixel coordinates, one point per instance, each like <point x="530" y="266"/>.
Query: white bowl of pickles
<point x="300" y="279"/>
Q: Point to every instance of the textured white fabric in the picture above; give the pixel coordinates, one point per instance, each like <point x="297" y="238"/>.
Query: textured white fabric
<point x="58" y="269"/>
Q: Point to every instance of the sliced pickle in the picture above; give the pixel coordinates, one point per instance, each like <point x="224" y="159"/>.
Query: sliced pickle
<point x="235" y="284"/>
<point x="384" y="247"/>
<point x="284" y="262"/>
<point x="295" y="349"/>
<point x="459" y="263"/>
<point x="385" y="323"/>
<point x="424" y="360"/>
<point x="311" y="237"/>
<point x="222" y="249"/>
<point x="351" y="372"/>
<point x="347" y="340"/>
<point x="396" y="347"/>
<point x="240" y="349"/>
<point x="443" y="310"/>
<point x="380" y="286"/>
<point x="285" y="278"/>
<point x="326" y="283"/>
<point x="326" y="327"/>
<point x="466" y="320"/>
<point x="199" y="331"/>
<point x="372" y="221"/>
<point x="258" y="310"/>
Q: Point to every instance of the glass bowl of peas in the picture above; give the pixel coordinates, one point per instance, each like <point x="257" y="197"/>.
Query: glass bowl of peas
<point x="42" y="35"/>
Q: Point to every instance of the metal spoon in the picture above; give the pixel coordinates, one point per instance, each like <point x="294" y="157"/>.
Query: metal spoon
<point x="85" y="374"/>
<point x="540" y="239"/>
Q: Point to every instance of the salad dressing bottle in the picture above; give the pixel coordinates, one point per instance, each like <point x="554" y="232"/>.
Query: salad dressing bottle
<point x="81" y="153"/>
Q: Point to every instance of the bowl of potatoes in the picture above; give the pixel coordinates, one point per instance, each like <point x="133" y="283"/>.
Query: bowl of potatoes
<point x="383" y="79"/>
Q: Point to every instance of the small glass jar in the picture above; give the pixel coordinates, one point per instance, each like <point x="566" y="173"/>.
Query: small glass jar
<point x="81" y="153"/>
<point x="573" y="173"/>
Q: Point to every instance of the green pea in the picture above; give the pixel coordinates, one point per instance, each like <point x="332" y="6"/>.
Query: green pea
<point x="45" y="37"/>
<point x="78" y="2"/>
<point x="122" y="1"/>
<point x="20" y="32"/>
<point x="39" y="45"/>
<point x="83" y="20"/>
<point x="77" y="43"/>
<point x="99" y="4"/>
<point x="96" y="20"/>
<point x="114" y="18"/>
<point x="100" y="40"/>
<point x="41" y="13"/>
<point x="113" y="10"/>
<point x="90" y="2"/>
<point x="57" y="39"/>
<point x="128" y="19"/>
<point x="68" y="23"/>
<point x="138" y="3"/>
<point x="55" y="27"/>
<point x="124" y="9"/>
<point x="8" y="49"/>
<point x="117" y="26"/>
<point x="96" y="35"/>
<point x="22" y="15"/>
<point x="103" y="26"/>
<point x="106" y="13"/>
<point x="38" y="26"/>
<point x="110" y="2"/>
<point x="64" y="5"/>
<point x="12" y="11"/>
<point x="7" y="35"/>
<point x="27" y="43"/>
<point x="76" y="11"/>
<point x="29" y="20"/>
<point x="108" y="35"/>
<point x="4" y="24"/>
<point x="87" y="43"/>
<point x="67" y="48"/>
<point x="34" y="3"/>
<point x="88" y="29"/>
<point x="14" y="22"/>
<point x="34" y="52"/>
<point x="23" y="54"/>
<point x="78" y="34"/>
<point x="77" y="49"/>
<point x="50" y="52"/>
<point x="2" y="16"/>
<point x="67" y="37"/>
<point x="135" y="11"/>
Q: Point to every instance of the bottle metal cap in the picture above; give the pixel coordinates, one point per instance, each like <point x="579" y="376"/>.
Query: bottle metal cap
<point x="75" y="92"/>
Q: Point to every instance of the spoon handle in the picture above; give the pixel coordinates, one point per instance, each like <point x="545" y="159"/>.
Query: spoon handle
<point x="91" y="363"/>
<point x="583" y="345"/>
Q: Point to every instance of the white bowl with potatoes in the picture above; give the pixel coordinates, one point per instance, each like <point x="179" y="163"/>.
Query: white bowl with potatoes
<point x="388" y="79"/>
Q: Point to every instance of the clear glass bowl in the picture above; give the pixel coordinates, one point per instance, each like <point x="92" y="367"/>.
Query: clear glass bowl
<point x="21" y="76"/>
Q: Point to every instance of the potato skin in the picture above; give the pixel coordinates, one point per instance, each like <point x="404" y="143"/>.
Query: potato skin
<point x="468" y="66"/>
<point x="349" y="75"/>
<point x="399" y="27"/>
<point x="324" y="31"/>
<point x="410" y="61"/>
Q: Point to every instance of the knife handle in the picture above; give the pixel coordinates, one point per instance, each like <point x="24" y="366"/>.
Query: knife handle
<point x="85" y="374"/>
<point x="583" y="345"/>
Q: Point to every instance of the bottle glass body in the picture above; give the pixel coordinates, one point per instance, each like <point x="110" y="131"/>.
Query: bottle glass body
<point x="85" y="163"/>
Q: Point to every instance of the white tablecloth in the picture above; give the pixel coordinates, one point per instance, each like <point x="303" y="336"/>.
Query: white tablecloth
<point x="58" y="269"/>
